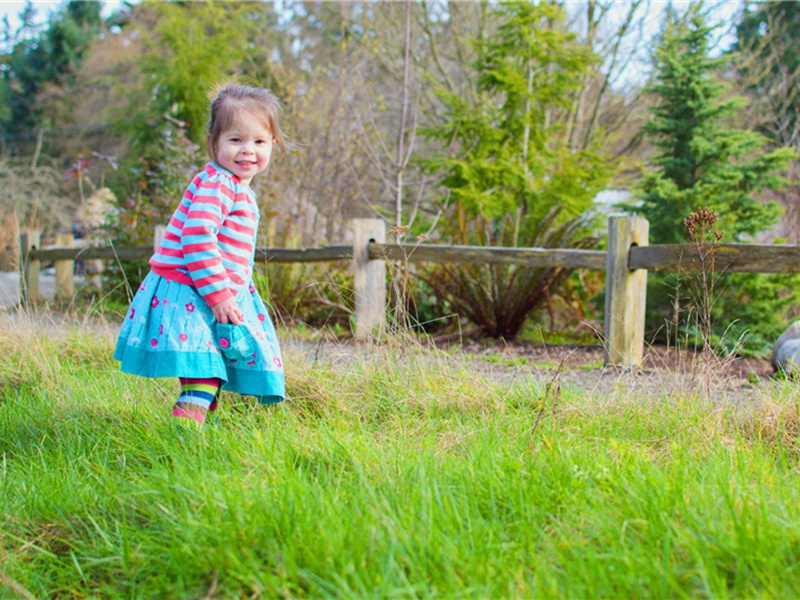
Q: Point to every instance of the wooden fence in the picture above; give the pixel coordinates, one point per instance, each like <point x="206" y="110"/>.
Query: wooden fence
<point x="626" y="263"/>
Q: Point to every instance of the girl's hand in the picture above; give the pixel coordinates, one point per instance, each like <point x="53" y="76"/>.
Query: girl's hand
<point x="228" y="311"/>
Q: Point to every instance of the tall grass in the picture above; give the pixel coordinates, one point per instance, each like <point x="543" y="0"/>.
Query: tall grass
<point x="400" y="472"/>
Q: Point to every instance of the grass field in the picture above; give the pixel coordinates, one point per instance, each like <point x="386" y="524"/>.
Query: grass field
<point x="404" y="474"/>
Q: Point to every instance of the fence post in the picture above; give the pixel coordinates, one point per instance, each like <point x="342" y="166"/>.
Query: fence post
<point x="28" y="267"/>
<point x="370" y="278"/>
<point x="626" y="292"/>
<point x="158" y="235"/>
<point x="65" y="284"/>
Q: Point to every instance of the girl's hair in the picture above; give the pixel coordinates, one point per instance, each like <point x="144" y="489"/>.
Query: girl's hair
<point x="233" y="98"/>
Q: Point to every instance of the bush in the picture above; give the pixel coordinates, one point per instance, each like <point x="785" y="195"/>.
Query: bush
<point x="33" y="198"/>
<point x="314" y="294"/>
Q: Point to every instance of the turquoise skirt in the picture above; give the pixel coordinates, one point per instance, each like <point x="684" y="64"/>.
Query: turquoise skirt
<point x="170" y="331"/>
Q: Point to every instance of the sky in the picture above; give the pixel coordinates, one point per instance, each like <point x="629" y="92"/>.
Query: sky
<point x="12" y="8"/>
<point x="722" y="12"/>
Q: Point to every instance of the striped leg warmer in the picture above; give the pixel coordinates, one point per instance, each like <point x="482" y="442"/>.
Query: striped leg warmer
<point x="198" y="397"/>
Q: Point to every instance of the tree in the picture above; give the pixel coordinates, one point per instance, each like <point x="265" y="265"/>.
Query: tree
<point x="613" y="29"/>
<point x="701" y="160"/>
<point x="515" y="178"/>
<point x="767" y="59"/>
<point x="514" y="154"/>
<point x="51" y="56"/>
<point x="193" y="47"/>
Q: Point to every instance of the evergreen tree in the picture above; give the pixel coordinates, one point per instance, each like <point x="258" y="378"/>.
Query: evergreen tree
<point x="514" y="154"/>
<point x="514" y="179"/>
<point x="701" y="160"/>
<point x="41" y="57"/>
<point x="769" y="38"/>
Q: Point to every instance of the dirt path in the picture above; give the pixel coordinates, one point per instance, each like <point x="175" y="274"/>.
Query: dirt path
<point x="9" y="289"/>
<point x="664" y="371"/>
<point x="581" y="368"/>
<point x="524" y="363"/>
<point x="9" y="286"/>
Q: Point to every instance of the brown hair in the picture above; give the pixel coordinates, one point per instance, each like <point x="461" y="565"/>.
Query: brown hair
<point x="232" y="98"/>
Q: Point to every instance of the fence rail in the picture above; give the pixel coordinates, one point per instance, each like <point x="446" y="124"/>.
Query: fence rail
<point x="741" y="258"/>
<point x="131" y="253"/>
<point x="527" y="257"/>
<point x="626" y="262"/>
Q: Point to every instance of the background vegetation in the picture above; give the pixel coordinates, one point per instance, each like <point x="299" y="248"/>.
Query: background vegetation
<point x="478" y="123"/>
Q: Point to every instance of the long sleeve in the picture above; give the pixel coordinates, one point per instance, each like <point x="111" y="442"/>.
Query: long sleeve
<point x="210" y="239"/>
<point x="208" y="209"/>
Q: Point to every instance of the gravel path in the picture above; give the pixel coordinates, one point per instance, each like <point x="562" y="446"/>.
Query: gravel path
<point x="9" y="289"/>
<point x="576" y="367"/>
<point x="522" y="363"/>
<point x="9" y="286"/>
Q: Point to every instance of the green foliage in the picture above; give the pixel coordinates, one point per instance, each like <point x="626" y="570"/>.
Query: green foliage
<point x="755" y="309"/>
<point x="48" y="58"/>
<point x="194" y="47"/>
<point x="158" y="187"/>
<point x="512" y="151"/>
<point x="701" y="160"/>
<point x="498" y="298"/>
<point x="420" y="306"/>
<point x="514" y="163"/>
<point x="748" y="311"/>
<point x="704" y="162"/>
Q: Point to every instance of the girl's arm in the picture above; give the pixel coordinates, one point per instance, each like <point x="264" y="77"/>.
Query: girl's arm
<point x="209" y="207"/>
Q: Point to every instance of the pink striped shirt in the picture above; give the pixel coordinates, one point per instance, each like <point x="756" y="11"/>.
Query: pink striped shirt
<point x="211" y="237"/>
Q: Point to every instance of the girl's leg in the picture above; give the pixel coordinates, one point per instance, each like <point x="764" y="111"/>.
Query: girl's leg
<point x="198" y="398"/>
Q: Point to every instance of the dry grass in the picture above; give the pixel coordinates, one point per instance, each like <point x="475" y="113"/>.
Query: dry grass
<point x="32" y="199"/>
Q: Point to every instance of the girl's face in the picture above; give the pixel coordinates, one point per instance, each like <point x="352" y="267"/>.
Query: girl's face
<point x="245" y="148"/>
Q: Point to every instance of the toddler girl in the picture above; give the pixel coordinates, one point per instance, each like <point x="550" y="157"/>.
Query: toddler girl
<point x="197" y="315"/>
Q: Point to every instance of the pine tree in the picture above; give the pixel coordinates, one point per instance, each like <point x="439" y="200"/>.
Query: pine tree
<point x="39" y="58"/>
<point x="514" y="179"/>
<point x="514" y="151"/>
<point x="701" y="160"/>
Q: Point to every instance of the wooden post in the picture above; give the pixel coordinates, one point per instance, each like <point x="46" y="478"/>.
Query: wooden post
<point x="370" y="278"/>
<point x="626" y="293"/>
<point x="158" y="235"/>
<point x="28" y="267"/>
<point x="65" y="284"/>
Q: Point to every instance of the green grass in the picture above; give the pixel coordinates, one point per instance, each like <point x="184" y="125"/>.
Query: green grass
<point x="509" y="361"/>
<point x="402" y="474"/>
